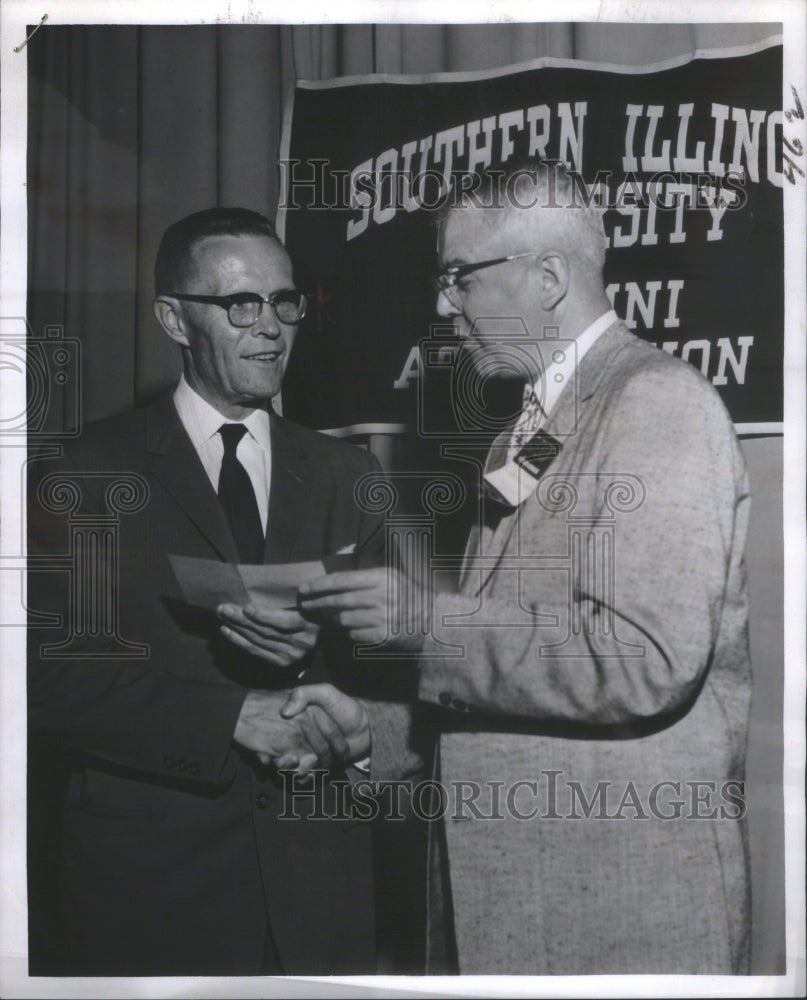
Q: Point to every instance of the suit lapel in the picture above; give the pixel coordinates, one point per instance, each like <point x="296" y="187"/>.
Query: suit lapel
<point x="567" y="413"/>
<point x="564" y="420"/>
<point x="175" y="463"/>
<point x="290" y="496"/>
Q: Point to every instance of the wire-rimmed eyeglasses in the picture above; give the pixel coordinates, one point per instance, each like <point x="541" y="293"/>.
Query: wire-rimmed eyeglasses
<point x="244" y="308"/>
<point x="446" y="281"/>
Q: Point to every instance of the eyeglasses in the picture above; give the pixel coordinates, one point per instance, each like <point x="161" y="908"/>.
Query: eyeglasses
<point x="446" y="281"/>
<point x="244" y="308"/>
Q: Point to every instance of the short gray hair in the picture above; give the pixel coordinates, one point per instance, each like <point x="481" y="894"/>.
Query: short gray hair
<point x="540" y="197"/>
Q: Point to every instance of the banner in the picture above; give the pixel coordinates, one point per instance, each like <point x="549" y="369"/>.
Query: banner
<point x="686" y="158"/>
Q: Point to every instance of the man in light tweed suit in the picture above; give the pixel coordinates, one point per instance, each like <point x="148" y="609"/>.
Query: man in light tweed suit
<point x="598" y="712"/>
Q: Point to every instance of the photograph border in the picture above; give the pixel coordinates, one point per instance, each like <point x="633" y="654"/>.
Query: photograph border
<point x="16" y="19"/>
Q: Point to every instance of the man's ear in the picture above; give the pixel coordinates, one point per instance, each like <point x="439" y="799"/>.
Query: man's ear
<point x="554" y="278"/>
<point x="169" y="316"/>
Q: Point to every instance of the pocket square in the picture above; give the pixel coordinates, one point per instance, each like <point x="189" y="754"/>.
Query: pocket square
<point x="347" y="550"/>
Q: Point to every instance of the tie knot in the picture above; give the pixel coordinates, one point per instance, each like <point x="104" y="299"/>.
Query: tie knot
<point x="231" y="434"/>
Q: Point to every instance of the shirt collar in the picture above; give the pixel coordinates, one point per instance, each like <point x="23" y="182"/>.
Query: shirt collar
<point x="551" y="383"/>
<point x="202" y="421"/>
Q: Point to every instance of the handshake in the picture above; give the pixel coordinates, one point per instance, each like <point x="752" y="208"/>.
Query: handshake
<point x="315" y="725"/>
<point x="318" y="725"/>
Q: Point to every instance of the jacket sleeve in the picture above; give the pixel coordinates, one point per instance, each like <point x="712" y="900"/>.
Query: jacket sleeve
<point x="636" y="642"/>
<point x="401" y="744"/>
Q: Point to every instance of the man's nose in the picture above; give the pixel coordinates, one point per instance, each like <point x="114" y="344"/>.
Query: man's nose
<point x="267" y="324"/>
<point x="445" y="307"/>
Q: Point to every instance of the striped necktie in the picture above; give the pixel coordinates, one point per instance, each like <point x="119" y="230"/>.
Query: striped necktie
<point x="527" y="424"/>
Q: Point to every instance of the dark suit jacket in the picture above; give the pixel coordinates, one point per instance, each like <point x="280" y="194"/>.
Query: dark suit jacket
<point x="174" y="860"/>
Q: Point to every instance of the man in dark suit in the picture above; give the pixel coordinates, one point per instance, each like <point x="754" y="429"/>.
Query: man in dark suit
<point x="173" y="857"/>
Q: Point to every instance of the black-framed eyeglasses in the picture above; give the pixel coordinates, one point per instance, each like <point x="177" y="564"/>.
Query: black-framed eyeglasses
<point x="447" y="280"/>
<point x="244" y="308"/>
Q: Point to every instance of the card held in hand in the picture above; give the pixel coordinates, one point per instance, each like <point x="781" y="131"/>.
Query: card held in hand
<point x="206" y="583"/>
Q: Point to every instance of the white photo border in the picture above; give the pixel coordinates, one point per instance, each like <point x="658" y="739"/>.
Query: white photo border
<point x="15" y="16"/>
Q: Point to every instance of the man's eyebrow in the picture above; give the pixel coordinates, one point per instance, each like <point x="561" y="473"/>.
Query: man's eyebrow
<point x="248" y="291"/>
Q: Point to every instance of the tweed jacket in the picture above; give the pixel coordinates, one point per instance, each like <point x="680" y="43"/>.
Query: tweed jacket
<point x="594" y="681"/>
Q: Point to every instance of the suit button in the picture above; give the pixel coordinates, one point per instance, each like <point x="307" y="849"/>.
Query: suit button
<point x="170" y="762"/>
<point x="261" y="801"/>
<point x="460" y="705"/>
<point x="444" y="698"/>
<point x="193" y="768"/>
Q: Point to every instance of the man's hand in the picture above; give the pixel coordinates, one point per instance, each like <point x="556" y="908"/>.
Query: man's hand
<point x="343" y="711"/>
<point x="371" y="605"/>
<point x="308" y="739"/>
<point x="278" y="636"/>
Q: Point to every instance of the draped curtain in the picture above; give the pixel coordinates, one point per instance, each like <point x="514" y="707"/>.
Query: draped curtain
<point x="134" y="127"/>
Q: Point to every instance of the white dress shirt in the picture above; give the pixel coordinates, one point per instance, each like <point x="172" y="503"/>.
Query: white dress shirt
<point x="202" y="422"/>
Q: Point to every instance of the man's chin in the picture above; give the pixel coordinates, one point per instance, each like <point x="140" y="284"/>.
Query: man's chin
<point x="258" y="391"/>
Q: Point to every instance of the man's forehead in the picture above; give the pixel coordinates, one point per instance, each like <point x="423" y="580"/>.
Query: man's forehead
<point x="237" y="253"/>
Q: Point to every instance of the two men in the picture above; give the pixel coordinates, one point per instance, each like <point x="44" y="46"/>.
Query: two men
<point x="174" y="855"/>
<point x="593" y="729"/>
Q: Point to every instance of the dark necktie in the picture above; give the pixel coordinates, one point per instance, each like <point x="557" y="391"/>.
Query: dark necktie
<point x="237" y="497"/>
